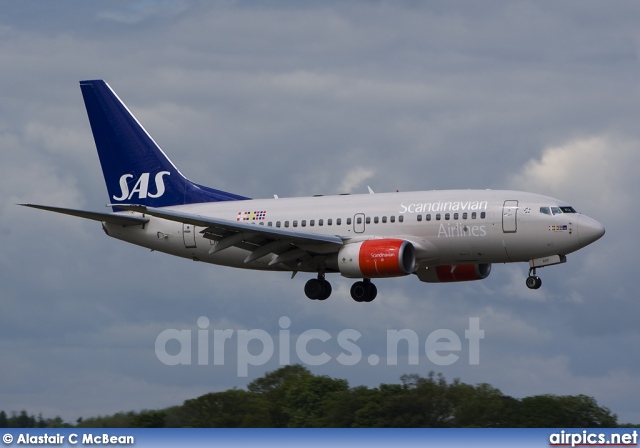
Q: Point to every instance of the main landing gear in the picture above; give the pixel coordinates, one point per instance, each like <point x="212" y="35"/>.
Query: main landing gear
<point x="320" y="289"/>
<point x="364" y="291"/>
<point x="533" y="281"/>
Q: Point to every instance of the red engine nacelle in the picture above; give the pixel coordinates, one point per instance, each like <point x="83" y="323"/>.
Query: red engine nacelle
<point x="377" y="259"/>
<point x="455" y="273"/>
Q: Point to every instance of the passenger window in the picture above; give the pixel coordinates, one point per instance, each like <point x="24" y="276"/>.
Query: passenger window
<point x="270" y="224"/>
<point x="438" y="216"/>
<point x="359" y="220"/>
<point x="545" y="210"/>
<point x="277" y="223"/>
<point x="455" y="216"/>
<point x="419" y="217"/>
<point x="368" y="220"/>
<point x="401" y="218"/>
<point x="338" y="221"/>
<point x="392" y="219"/>
<point x="384" y="219"/>
<point x="474" y="215"/>
<point x="320" y="222"/>
<point x="447" y="216"/>
<point x="428" y="216"/>
<point x="304" y="223"/>
<point x="375" y="220"/>
<point x="464" y="215"/>
<point x="348" y="221"/>
<point x="312" y="222"/>
<point x="295" y="223"/>
<point x="286" y="223"/>
<point x="483" y="215"/>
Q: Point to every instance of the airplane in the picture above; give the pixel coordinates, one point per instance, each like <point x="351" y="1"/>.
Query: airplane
<point x="438" y="236"/>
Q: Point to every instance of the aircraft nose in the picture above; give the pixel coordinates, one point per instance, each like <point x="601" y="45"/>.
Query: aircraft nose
<point x="589" y="230"/>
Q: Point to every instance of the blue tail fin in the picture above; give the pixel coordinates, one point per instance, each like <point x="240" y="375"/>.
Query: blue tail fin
<point x="135" y="169"/>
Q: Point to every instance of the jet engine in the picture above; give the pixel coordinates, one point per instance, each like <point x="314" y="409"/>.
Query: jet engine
<point x="377" y="258"/>
<point x="454" y="273"/>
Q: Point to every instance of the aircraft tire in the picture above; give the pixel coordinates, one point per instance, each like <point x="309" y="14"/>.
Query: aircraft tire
<point x="327" y="290"/>
<point x="538" y="283"/>
<point x="316" y="289"/>
<point x="359" y="291"/>
<point x="363" y="291"/>
<point x="373" y="292"/>
<point x="534" y="282"/>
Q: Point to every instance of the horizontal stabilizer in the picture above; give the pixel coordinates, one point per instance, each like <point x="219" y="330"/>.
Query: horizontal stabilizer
<point x="113" y="218"/>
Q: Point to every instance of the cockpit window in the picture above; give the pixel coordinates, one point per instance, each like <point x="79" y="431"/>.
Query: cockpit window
<point x="557" y="210"/>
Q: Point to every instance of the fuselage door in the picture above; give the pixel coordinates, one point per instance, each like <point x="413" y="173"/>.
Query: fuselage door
<point x="509" y="216"/>
<point x="189" y="235"/>
<point x="358" y="223"/>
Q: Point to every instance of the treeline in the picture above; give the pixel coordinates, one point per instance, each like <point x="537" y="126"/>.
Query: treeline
<point x="23" y="420"/>
<point x="294" y="397"/>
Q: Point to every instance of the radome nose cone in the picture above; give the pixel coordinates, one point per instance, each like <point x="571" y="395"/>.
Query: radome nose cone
<point x="589" y="230"/>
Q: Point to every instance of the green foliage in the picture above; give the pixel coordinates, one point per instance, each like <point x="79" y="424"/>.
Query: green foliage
<point x="273" y="388"/>
<point x="231" y="409"/>
<point x="118" y="420"/>
<point x="306" y="401"/>
<point x="294" y="397"/>
<point x="24" y="420"/>
<point x="149" y="419"/>
<point x="567" y="411"/>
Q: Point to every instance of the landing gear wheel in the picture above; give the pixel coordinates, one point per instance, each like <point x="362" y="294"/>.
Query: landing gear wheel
<point x="314" y="289"/>
<point x="364" y="291"/>
<point x="373" y="292"/>
<point x="327" y="290"/>
<point x="534" y="282"/>
<point x="358" y="291"/>
<point x="317" y="289"/>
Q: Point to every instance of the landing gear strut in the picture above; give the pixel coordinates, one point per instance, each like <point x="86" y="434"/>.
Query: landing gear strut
<point x="318" y="288"/>
<point x="533" y="281"/>
<point x="364" y="291"/>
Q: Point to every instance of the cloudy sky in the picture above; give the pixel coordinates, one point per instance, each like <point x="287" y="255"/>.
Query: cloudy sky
<point x="303" y="98"/>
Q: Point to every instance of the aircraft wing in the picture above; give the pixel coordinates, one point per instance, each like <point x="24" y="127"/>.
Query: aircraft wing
<point x="288" y="245"/>
<point x="121" y="220"/>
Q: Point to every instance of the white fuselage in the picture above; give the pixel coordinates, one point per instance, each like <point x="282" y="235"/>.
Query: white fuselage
<point x="445" y="227"/>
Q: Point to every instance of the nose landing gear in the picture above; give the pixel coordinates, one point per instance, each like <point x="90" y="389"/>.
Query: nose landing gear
<point x="533" y="281"/>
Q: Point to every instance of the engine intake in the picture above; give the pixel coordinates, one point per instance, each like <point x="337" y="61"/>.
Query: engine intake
<point x="377" y="258"/>
<point x="454" y="273"/>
